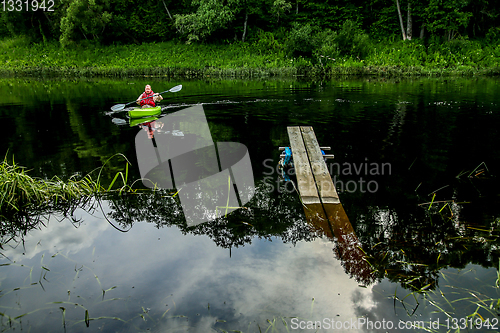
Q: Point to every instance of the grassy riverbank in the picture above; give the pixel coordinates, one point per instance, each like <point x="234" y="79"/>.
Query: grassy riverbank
<point x="265" y="57"/>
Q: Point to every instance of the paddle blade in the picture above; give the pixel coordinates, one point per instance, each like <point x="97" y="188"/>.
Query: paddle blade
<point x="118" y="107"/>
<point x="176" y="88"/>
<point x="118" y="121"/>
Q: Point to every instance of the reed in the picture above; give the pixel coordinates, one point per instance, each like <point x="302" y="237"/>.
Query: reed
<point x="20" y="193"/>
<point x="23" y="196"/>
<point x="474" y="308"/>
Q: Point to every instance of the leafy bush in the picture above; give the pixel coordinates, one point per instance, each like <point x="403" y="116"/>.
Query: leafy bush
<point x="352" y="41"/>
<point x="14" y="43"/>
<point x="267" y="42"/>
<point x="328" y="45"/>
<point x="349" y="41"/>
<point x="462" y="45"/>
<point x="493" y="35"/>
<point x="300" y="41"/>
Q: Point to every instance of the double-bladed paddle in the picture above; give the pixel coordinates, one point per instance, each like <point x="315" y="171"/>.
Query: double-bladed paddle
<point x="119" y="107"/>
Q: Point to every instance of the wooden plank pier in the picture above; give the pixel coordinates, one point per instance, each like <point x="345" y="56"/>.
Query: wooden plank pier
<point x="313" y="179"/>
<point x="322" y="206"/>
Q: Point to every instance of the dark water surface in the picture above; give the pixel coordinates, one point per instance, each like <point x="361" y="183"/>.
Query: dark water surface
<point x="398" y="144"/>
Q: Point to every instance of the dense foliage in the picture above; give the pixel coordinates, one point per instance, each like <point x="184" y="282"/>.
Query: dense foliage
<point x="126" y="21"/>
<point x="101" y="37"/>
<point x="330" y="53"/>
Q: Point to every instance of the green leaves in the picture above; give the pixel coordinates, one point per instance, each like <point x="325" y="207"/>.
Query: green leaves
<point x="280" y="8"/>
<point x="349" y="41"/>
<point x="448" y="15"/>
<point x="300" y="41"/>
<point x="210" y="16"/>
<point x="136" y="21"/>
<point x="85" y="17"/>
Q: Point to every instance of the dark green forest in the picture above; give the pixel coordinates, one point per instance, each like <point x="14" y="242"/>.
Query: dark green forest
<point x="132" y="21"/>
<point x="126" y="37"/>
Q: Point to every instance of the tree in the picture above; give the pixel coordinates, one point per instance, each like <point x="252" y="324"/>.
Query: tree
<point x="484" y="17"/>
<point x="84" y="17"/>
<point x="447" y="16"/>
<point x="330" y="14"/>
<point x="37" y="25"/>
<point x="210" y="16"/>
<point x="409" y="23"/>
<point x="408" y="32"/>
<point x="401" y="20"/>
<point x="280" y="7"/>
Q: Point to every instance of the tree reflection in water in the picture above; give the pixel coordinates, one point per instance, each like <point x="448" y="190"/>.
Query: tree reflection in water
<point x="406" y="243"/>
<point x="267" y="215"/>
<point x="410" y="243"/>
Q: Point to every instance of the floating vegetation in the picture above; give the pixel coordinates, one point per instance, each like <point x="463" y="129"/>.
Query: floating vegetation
<point x="444" y="233"/>
<point x="75" y="309"/>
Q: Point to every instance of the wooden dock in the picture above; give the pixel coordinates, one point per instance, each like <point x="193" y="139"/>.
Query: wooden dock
<point x="322" y="206"/>
<point x="313" y="179"/>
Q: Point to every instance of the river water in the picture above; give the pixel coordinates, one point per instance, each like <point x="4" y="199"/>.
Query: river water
<point x="415" y="165"/>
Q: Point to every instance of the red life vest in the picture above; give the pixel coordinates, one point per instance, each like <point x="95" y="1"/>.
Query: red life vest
<point x="148" y="101"/>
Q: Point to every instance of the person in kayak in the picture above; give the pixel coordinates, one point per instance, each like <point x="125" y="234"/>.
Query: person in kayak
<point x="148" y="102"/>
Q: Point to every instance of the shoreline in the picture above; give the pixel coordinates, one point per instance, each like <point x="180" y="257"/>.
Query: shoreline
<point x="248" y="73"/>
<point x="19" y="57"/>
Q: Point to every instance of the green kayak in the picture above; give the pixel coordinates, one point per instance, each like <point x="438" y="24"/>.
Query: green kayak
<point x="147" y="112"/>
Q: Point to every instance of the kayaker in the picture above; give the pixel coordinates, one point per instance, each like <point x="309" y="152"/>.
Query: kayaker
<point x="148" y="102"/>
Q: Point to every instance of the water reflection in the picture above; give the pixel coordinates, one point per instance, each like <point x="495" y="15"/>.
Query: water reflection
<point x="332" y="221"/>
<point x="236" y="229"/>
<point x="150" y="126"/>
<point x="172" y="268"/>
<point x="264" y="261"/>
<point x="234" y="273"/>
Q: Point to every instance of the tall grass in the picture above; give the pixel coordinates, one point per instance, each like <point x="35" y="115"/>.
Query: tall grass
<point x="472" y="308"/>
<point x="329" y="53"/>
<point x="23" y="196"/>
<point x="20" y="193"/>
<point x="160" y="59"/>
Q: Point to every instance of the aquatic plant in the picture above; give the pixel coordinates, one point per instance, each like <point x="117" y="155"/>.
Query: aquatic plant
<point x="23" y="198"/>
<point x="20" y="193"/>
<point x="455" y="309"/>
